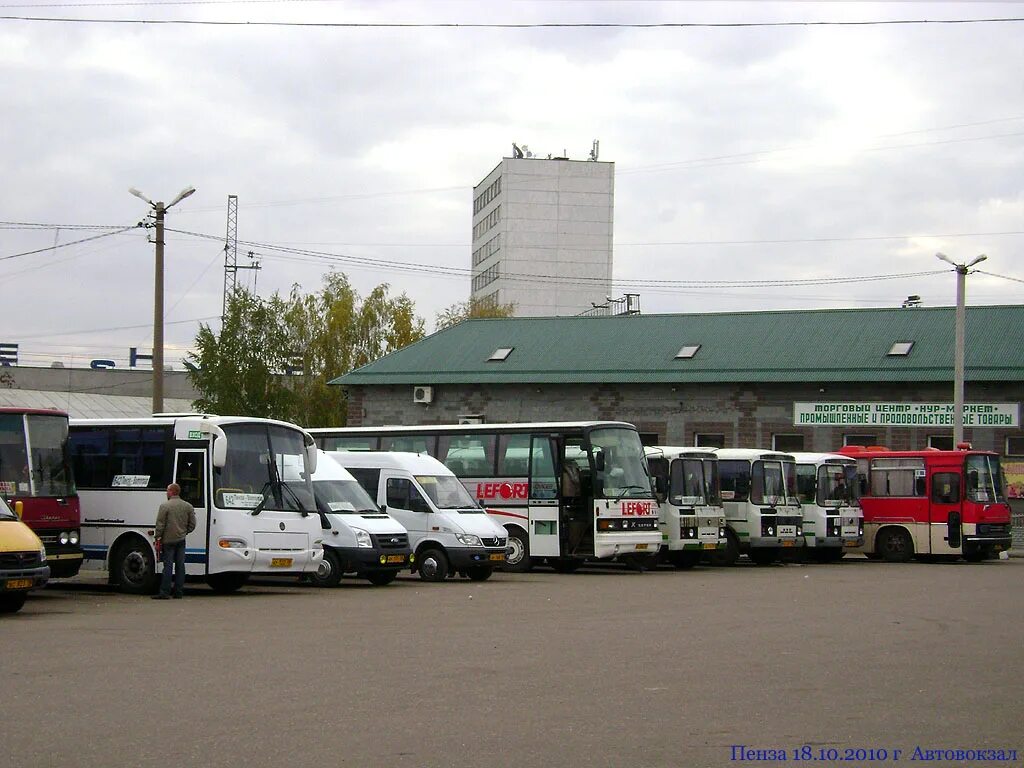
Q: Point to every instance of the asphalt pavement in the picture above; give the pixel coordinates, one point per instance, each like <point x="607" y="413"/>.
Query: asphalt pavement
<point x="604" y="667"/>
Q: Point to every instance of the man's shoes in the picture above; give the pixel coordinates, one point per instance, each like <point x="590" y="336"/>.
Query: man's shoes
<point x="161" y="597"/>
<point x="177" y="596"/>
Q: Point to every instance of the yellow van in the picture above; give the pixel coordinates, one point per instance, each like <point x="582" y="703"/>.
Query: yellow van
<point x="22" y="561"/>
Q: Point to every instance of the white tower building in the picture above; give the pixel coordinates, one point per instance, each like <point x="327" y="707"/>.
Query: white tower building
<point x="542" y="235"/>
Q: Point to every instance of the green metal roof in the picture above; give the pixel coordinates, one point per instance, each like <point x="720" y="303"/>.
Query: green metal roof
<point x="834" y="345"/>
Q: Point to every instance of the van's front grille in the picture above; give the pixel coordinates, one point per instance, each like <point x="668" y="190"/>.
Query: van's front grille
<point x="18" y="560"/>
<point x="498" y="541"/>
<point x="392" y="540"/>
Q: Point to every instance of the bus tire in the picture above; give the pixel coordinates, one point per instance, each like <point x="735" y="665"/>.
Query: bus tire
<point x="381" y="578"/>
<point x="975" y="555"/>
<point x="328" y="572"/>
<point x="133" y="568"/>
<point x="763" y="555"/>
<point x="479" y="572"/>
<point x="518" y="560"/>
<point x="731" y="554"/>
<point x="684" y="561"/>
<point x="433" y="565"/>
<point x="13" y="602"/>
<point x="894" y="545"/>
<point x="226" y="583"/>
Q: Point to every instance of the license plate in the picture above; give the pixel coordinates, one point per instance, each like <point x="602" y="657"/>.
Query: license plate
<point x="19" y="583"/>
<point x="396" y="558"/>
<point x="849" y="543"/>
<point x="710" y="546"/>
<point x="641" y="546"/>
<point x="849" y="530"/>
<point x="498" y="557"/>
<point x="787" y="530"/>
<point x="789" y="543"/>
<point x="280" y="562"/>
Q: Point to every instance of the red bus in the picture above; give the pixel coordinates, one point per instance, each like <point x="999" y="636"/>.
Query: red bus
<point x="37" y="482"/>
<point x="931" y="503"/>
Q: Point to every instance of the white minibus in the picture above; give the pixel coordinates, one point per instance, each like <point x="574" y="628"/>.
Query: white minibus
<point x="448" y="531"/>
<point x="829" y="493"/>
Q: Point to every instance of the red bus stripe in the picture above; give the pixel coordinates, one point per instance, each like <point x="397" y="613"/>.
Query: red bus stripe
<point x="506" y="514"/>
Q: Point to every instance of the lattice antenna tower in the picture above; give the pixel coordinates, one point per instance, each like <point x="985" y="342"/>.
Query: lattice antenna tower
<point x="231" y="257"/>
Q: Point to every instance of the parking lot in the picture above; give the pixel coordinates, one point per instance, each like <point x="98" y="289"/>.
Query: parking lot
<point x="605" y="667"/>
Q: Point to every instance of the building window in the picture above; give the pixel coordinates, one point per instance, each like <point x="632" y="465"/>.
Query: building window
<point x="860" y="439"/>
<point x="787" y="443"/>
<point x="942" y="442"/>
<point x="481" y="200"/>
<point x="487" y="250"/>
<point x="500" y="354"/>
<point x="709" y="440"/>
<point x="649" y="438"/>
<point x="486" y="277"/>
<point x="490" y="301"/>
<point x="687" y="352"/>
<point x="901" y="349"/>
<point x="1015" y="446"/>
<point x="487" y="222"/>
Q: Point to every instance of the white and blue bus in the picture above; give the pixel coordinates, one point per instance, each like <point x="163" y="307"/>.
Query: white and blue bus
<point x="248" y="520"/>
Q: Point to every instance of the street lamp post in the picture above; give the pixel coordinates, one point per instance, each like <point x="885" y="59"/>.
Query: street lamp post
<point x="958" y="350"/>
<point x="159" y="210"/>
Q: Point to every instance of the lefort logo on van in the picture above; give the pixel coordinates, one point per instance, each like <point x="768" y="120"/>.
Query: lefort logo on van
<point x="502" y="490"/>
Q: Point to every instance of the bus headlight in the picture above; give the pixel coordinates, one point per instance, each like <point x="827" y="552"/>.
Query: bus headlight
<point x="770" y="531"/>
<point x="468" y="540"/>
<point x="799" y="530"/>
<point x="63" y="538"/>
<point x="363" y="539"/>
<point x="73" y="537"/>
<point x="721" y="533"/>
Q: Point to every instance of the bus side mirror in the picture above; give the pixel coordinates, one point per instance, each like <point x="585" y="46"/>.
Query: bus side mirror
<point x="19" y="509"/>
<point x="660" y="487"/>
<point x="311" y="457"/>
<point x="599" y="461"/>
<point x="220" y="452"/>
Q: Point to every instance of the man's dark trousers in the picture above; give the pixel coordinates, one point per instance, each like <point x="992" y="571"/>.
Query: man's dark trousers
<point x="174" y="556"/>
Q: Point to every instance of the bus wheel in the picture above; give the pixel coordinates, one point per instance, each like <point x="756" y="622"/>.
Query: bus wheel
<point x="763" y="555"/>
<point x="518" y="560"/>
<point x="975" y="555"/>
<point x="479" y="572"/>
<point x="132" y="567"/>
<point x="684" y="561"/>
<point x="730" y="554"/>
<point x="328" y="572"/>
<point x="895" y="545"/>
<point x="226" y="583"/>
<point x="12" y="602"/>
<point x="433" y="565"/>
<point x="381" y="578"/>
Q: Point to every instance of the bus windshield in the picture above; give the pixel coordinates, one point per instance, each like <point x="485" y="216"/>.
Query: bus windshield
<point x="837" y="485"/>
<point x="985" y="479"/>
<point x="687" y="483"/>
<point x="766" y="481"/>
<point x="5" y="511"/>
<point x="258" y="460"/>
<point x="344" y="497"/>
<point x="625" y="471"/>
<point x="447" y="493"/>
<point x="48" y="450"/>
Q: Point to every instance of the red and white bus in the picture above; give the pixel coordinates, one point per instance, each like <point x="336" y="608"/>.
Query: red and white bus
<point x="931" y="503"/>
<point x="565" y="491"/>
<point x="37" y="482"/>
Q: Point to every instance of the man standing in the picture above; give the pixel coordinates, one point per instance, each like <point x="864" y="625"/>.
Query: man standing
<point x="175" y="520"/>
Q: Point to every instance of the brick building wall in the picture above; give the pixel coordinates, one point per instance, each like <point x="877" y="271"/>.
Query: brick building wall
<point x="746" y="415"/>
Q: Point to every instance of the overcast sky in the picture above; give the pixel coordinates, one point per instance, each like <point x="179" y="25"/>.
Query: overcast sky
<point x="740" y="153"/>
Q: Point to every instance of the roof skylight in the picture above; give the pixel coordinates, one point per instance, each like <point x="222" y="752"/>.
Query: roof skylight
<point x="901" y="349"/>
<point x="687" y="352"/>
<point x="500" y="354"/>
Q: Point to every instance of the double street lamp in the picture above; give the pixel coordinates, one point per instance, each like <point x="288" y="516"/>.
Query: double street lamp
<point x="159" y="209"/>
<point x="958" y="350"/>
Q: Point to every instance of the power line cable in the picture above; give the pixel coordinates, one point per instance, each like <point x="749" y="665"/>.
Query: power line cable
<point x="71" y="242"/>
<point x="517" y="25"/>
<point x="993" y="274"/>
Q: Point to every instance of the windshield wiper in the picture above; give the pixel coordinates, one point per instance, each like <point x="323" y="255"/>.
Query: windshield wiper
<point x="628" y="488"/>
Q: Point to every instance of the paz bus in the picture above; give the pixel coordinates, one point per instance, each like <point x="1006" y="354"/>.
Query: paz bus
<point x="564" y="491"/>
<point x="249" y="520"/>
<point x="931" y="503"/>
<point x="829" y="493"/>
<point x="689" y="494"/>
<point x="37" y="482"/>
<point x="762" y="512"/>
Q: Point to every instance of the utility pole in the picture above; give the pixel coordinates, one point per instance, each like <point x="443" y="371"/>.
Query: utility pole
<point x="962" y="270"/>
<point x="231" y="259"/>
<point x="159" y="211"/>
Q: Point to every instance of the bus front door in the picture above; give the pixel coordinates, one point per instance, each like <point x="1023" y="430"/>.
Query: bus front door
<point x="544" y="523"/>
<point x="944" y="514"/>
<point x="190" y="475"/>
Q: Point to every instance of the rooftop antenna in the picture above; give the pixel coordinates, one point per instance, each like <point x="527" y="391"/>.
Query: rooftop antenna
<point x="594" y="150"/>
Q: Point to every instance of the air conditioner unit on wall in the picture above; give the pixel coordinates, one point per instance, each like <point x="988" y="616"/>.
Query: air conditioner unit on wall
<point x="423" y="394"/>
